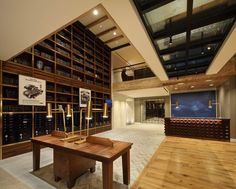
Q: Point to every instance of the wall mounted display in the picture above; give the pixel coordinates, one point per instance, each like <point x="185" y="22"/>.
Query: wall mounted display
<point x="195" y="104"/>
<point x="32" y="91"/>
<point x="84" y="97"/>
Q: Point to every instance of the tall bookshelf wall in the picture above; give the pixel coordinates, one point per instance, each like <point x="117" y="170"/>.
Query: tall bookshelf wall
<point x="68" y="60"/>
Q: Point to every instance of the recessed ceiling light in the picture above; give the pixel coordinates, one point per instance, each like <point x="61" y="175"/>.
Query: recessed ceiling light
<point x="114" y="33"/>
<point x="209" y="48"/>
<point x="211" y="85"/>
<point x="192" y="86"/>
<point x="208" y="80"/>
<point x="95" y="12"/>
<point x="100" y="26"/>
<point x="176" y="88"/>
<point x="180" y="83"/>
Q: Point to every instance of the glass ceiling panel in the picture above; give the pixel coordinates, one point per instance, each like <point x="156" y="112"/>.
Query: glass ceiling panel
<point x="175" y="39"/>
<point x="168" y="24"/>
<point x="177" y="54"/>
<point x="205" y="49"/>
<point x="202" y="5"/>
<point x="211" y="30"/>
<point x="158" y="18"/>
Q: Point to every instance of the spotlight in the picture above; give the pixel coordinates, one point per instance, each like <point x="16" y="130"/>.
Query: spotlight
<point x="95" y="12"/>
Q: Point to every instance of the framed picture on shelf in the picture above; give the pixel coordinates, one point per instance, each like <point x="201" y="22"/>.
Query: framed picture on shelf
<point x="84" y="97"/>
<point x="32" y="91"/>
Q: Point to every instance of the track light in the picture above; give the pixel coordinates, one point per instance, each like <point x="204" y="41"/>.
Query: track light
<point x="170" y="42"/>
<point x="177" y="104"/>
<point x="202" y="51"/>
<point x="210" y="103"/>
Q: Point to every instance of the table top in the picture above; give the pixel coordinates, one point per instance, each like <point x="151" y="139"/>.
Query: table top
<point x="90" y="150"/>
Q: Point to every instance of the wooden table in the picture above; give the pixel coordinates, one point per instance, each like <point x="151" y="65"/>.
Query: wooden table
<point x="97" y="152"/>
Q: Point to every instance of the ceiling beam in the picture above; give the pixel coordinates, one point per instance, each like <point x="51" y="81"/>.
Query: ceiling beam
<point x="153" y="4"/>
<point x="96" y="22"/>
<point x="120" y="47"/>
<point x="114" y="39"/>
<point x="106" y="31"/>
<point x="200" y="19"/>
<point x="193" y="44"/>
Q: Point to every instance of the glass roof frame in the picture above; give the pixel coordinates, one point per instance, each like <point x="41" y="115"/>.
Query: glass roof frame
<point x="200" y="24"/>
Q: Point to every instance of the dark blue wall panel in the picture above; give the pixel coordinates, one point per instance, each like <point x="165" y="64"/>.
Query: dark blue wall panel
<point x="195" y="104"/>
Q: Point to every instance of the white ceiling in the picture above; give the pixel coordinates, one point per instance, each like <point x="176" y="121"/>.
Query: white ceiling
<point x="24" y="23"/>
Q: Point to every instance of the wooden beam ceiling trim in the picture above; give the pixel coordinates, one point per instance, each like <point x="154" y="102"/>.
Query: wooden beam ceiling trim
<point x="199" y="81"/>
<point x="114" y="39"/>
<point x="96" y="22"/>
<point x="120" y="47"/>
<point x="229" y="67"/>
<point x="137" y="84"/>
<point x="106" y="31"/>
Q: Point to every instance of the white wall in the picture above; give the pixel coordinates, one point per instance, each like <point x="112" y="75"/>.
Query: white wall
<point x="227" y="100"/>
<point x="129" y="110"/>
<point x="122" y="110"/>
<point x="224" y="100"/>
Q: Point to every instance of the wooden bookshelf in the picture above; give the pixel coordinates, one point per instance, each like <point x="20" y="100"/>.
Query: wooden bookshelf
<point x="68" y="60"/>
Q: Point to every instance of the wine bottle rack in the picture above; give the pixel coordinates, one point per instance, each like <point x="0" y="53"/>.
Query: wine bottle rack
<point x="68" y="60"/>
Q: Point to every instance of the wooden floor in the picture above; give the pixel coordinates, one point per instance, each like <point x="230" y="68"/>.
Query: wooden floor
<point x="182" y="163"/>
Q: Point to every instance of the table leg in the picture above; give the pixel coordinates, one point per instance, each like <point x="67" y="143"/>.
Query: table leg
<point x="36" y="156"/>
<point x="126" y="167"/>
<point x="107" y="175"/>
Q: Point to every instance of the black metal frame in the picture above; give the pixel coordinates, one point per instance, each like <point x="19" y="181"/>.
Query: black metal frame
<point x="186" y="24"/>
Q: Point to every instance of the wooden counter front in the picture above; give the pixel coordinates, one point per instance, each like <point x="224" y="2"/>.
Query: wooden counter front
<point x="215" y="129"/>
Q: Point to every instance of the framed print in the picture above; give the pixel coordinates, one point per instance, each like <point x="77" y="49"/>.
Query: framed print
<point x="32" y="91"/>
<point x="84" y="97"/>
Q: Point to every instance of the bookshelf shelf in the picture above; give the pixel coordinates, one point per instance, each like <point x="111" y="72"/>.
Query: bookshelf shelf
<point x="70" y="59"/>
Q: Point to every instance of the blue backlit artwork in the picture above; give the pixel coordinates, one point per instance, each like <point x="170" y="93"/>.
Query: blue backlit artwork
<point x="195" y="104"/>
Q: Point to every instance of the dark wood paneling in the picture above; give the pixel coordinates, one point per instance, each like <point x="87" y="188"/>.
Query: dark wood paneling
<point x="16" y="149"/>
<point x="215" y="129"/>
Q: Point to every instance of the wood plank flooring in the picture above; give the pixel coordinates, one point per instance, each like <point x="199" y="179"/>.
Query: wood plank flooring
<point x="182" y="163"/>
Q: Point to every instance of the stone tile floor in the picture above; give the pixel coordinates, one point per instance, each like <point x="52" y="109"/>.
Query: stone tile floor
<point x="145" y="138"/>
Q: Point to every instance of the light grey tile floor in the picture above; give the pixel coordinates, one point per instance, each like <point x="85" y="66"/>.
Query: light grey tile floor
<point x="145" y="138"/>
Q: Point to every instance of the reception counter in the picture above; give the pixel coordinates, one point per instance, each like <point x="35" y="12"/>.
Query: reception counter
<point x="206" y="128"/>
